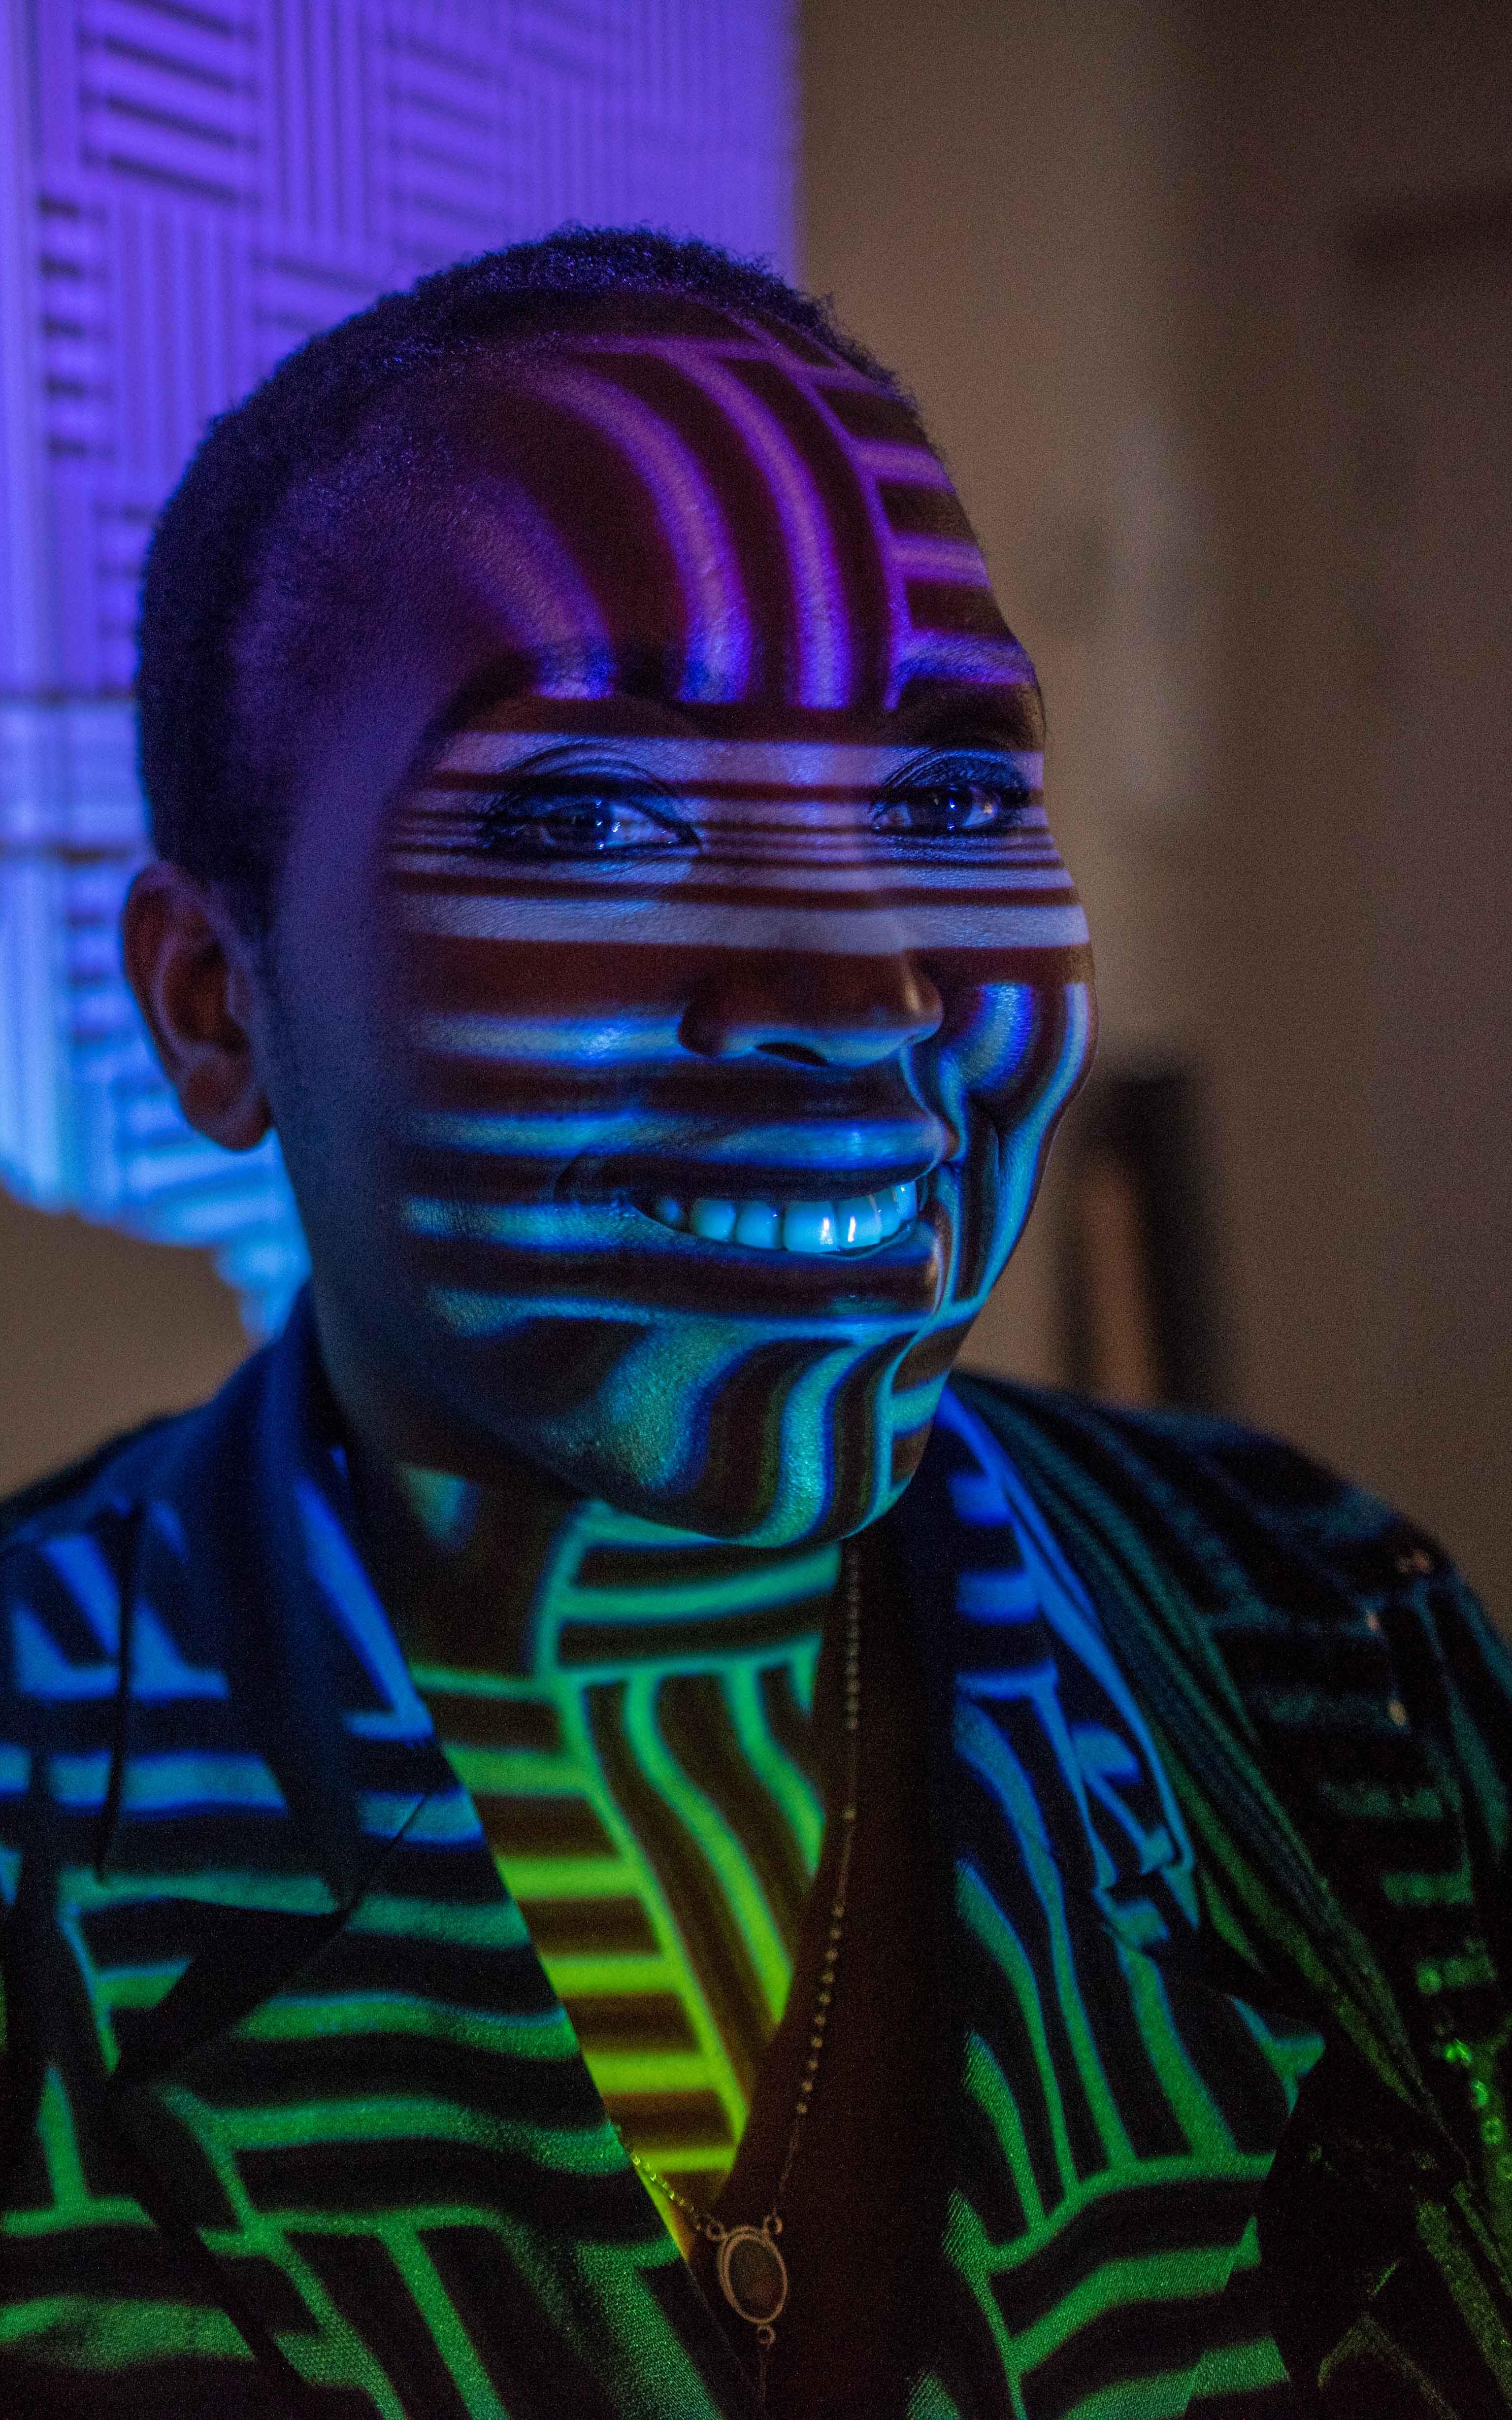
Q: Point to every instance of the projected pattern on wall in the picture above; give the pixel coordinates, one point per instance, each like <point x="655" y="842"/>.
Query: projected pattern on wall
<point x="185" y="194"/>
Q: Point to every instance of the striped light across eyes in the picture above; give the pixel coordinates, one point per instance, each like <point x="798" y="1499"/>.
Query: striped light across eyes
<point x="764" y="845"/>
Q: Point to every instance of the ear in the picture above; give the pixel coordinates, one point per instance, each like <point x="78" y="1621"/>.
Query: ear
<point x="196" y="981"/>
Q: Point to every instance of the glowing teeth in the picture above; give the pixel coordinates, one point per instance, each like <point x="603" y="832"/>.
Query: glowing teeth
<point x="714" y="1219"/>
<point x="759" y="1223"/>
<point x="849" y="1226"/>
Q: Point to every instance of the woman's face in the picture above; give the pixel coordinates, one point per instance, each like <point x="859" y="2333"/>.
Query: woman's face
<point x="678" y="984"/>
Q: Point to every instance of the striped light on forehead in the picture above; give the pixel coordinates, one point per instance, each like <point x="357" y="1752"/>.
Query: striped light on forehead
<point x="774" y="516"/>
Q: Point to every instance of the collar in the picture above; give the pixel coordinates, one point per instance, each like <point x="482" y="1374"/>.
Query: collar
<point x="243" y="1575"/>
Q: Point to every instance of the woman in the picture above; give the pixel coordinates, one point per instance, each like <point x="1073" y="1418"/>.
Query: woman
<point x="593" y="1837"/>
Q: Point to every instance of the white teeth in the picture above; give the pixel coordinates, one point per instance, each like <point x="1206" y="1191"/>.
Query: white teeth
<point x="849" y="1226"/>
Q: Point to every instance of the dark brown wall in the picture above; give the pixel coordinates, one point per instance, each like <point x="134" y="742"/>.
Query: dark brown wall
<point x="1103" y="237"/>
<point x="97" y="1332"/>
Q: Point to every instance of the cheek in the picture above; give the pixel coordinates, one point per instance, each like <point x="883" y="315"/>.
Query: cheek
<point x="1010" y="1058"/>
<point x="569" y="998"/>
<point x="1015" y="1053"/>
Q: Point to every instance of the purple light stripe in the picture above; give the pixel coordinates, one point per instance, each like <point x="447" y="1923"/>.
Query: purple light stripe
<point x="889" y="459"/>
<point x="941" y="558"/>
<point x="808" y="766"/>
<point x="560" y="613"/>
<point x="827" y="668"/>
<point x="688" y="512"/>
<point x="935" y="655"/>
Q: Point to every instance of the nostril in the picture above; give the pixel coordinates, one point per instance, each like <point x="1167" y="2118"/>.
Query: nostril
<point x="799" y="1052"/>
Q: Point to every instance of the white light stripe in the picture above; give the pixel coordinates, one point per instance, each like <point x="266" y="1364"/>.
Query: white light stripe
<point x="581" y="873"/>
<point x="670" y="923"/>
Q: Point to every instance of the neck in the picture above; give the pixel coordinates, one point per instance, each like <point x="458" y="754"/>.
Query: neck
<point x="469" y="1570"/>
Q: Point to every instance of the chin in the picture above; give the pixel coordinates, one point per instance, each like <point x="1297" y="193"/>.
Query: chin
<point x="761" y="1440"/>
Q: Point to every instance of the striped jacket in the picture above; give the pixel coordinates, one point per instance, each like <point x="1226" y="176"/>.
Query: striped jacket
<point x="293" y="2122"/>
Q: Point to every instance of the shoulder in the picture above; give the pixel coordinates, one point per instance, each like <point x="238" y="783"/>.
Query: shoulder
<point x="1263" y="1508"/>
<point x="1290" y="1573"/>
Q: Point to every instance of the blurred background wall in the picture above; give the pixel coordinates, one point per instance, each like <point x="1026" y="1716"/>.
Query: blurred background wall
<point x="185" y="192"/>
<point x="1211" y="308"/>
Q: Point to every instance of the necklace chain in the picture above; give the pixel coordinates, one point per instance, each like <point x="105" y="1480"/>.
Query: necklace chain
<point x="751" y="2271"/>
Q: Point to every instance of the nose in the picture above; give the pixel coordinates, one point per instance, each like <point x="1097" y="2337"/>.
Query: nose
<point x="820" y="1010"/>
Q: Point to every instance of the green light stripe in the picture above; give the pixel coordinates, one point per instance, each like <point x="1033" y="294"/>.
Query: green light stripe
<point x="575" y="1978"/>
<point x="60" y="2147"/>
<point x="651" y="2071"/>
<point x="977" y="1908"/>
<point x="585" y="1878"/>
<point x="984" y="2080"/>
<point x="1170" y="2168"/>
<point x="982" y="1744"/>
<point x="929" y="2401"/>
<point x="493" y="1925"/>
<point x="698" y="1814"/>
<point x="88" y="2332"/>
<point x="1192" y="2275"/>
<point x="968" y="2249"/>
<point x="490" y="1772"/>
<point x="1195" y="2111"/>
<point x="137" y="1987"/>
<point x="419" y="2117"/>
<point x="788" y="1582"/>
<point x="458" y="1681"/>
<point x="448" y="2334"/>
<point x="80" y="1890"/>
<point x="794" y="1792"/>
<point x="298" y="2017"/>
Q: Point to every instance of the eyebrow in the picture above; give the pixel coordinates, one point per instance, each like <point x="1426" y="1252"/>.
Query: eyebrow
<point x="632" y="679"/>
<point x="634" y="691"/>
<point x="1005" y="719"/>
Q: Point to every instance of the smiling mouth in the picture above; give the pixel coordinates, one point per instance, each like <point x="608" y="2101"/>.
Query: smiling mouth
<point x="851" y="1225"/>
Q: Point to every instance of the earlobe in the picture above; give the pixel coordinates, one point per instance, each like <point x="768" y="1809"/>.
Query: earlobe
<point x="194" y="980"/>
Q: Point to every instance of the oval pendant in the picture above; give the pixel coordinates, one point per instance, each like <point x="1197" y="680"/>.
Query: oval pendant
<point x="753" y="2277"/>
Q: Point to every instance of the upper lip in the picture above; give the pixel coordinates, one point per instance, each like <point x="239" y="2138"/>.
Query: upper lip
<point x="808" y="1184"/>
<point x="753" y="1161"/>
<point x="688" y="1176"/>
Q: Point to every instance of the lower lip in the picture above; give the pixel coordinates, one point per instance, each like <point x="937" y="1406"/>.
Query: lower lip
<point x="808" y="1231"/>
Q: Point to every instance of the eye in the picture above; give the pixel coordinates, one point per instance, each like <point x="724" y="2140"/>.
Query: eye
<point x="953" y="802"/>
<point x="579" y="816"/>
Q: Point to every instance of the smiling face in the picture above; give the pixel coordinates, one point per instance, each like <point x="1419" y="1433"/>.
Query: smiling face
<point x="679" y="984"/>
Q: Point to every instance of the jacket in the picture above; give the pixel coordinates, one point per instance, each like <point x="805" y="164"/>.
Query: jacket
<point x="235" y="1863"/>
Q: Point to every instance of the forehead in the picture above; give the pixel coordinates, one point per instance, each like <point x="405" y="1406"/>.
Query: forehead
<point x="727" y="515"/>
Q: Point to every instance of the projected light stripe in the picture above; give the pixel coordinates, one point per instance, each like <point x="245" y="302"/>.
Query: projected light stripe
<point x="662" y="1848"/>
<point x="399" y="2154"/>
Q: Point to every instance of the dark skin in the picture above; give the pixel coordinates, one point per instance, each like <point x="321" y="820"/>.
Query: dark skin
<point x="301" y="1036"/>
<point x="859" y="2206"/>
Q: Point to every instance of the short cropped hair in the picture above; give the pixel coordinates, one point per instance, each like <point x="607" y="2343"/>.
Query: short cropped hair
<point x="208" y="788"/>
